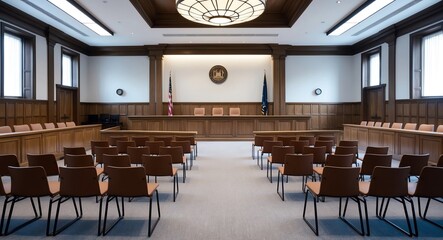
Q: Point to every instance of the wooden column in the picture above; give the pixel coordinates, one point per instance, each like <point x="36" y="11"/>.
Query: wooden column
<point x="391" y="109"/>
<point x="155" y="82"/>
<point x="279" y="88"/>
<point x="51" y="102"/>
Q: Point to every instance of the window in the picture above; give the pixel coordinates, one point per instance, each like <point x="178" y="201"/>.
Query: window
<point x="427" y="56"/>
<point x="17" y="77"/>
<point x="371" y="68"/>
<point x="69" y="68"/>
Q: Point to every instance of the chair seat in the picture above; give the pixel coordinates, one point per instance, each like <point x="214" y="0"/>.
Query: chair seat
<point x="281" y="169"/>
<point x="364" y="187"/>
<point x="412" y="186"/>
<point x="99" y="171"/>
<point x="174" y="171"/>
<point x="103" y="187"/>
<point x="151" y="188"/>
<point x="7" y="188"/>
<point x="318" y="170"/>
<point x="314" y="187"/>
<point x="54" y="187"/>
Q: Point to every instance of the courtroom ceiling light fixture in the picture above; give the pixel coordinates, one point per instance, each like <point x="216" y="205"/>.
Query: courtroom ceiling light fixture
<point x="366" y="10"/>
<point x="220" y="12"/>
<point x="74" y="10"/>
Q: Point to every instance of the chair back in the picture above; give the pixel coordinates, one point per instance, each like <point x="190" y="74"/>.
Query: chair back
<point x="5" y="129"/>
<point x="411" y="126"/>
<point x="343" y="150"/>
<point x="61" y="125"/>
<point x="327" y="138"/>
<point x="114" y="139"/>
<point x="79" y="182"/>
<point x="327" y="143"/>
<point x="416" y="161"/>
<point x="136" y="153"/>
<point x="127" y="182"/>
<point x="339" y="182"/>
<point x="217" y="111"/>
<point x="191" y="139"/>
<point x="439" y="128"/>
<point x="199" y="111"/>
<point x="258" y="140"/>
<point x="279" y="153"/>
<point x="70" y="124"/>
<point x="370" y="124"/>
<point x="440" y="161"/>
<point x="47" y="161"/>
<point x="165" y="139"/>
<point x="370" y="161"/>
<point x="186" y="146"/>
<point x="377" y="150"/>
<point x="429" y="183"/>
<point x="122" y="146"/>
<point x="311" y="139"/>
<point x="176" y="153"/>
<point x="7" y="160"/>
<point x="74" y="150"/>
<point x="36" y="126"/>
<point x="318" y="152"/>
<point x="299" y="145"/>
<point x="348" y="143"/>
<point x="5" y="189"/>
<point x="140" y="140"/>
<point x="386" y="125"/>
<point x="49" y="125"/>
<point x="154" y="146"/>
<point x="84" y="160"/>
<point x="389" y="182"/>
<point x="397" y="125"/>
<point x="98" y="143"/>
<point x="22" y="128"/>
<point x="299" y="164"/>
<point x="363" y="123"/>
<point x="100" y="151"/>
<point x="339" y="160"/>
<point x="159" y="165"/>
<point x="29" y="182"/>
<point x="377" y="124"/>
<point x="115" y="161"/>
<point x="426" y="127"/>
<point x="234" y="111"/>
<point x="267" y="145"/>
<point x="286" y="139"/>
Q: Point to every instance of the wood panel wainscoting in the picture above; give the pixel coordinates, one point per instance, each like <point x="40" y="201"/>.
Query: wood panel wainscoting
<point x="115" y="131"/>
<point x="48" y="140"/>
<point x="338" y="134"/>
<point x="219" y="127"/>
<point x="399" y="141"/>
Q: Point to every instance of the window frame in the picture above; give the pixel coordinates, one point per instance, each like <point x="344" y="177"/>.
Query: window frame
<point x="75" y="67"/>
<point x="416" y="60"/>
<point x="365" y="66"/>
<point x="29" y="61"/>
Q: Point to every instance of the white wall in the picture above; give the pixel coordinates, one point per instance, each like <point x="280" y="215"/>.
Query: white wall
<point x="107" y="74"/>
<point x="402" y="68"/>
<point x="191" y="82"/>
<point x="41" y="65"/>
<point x="335" y="75"/>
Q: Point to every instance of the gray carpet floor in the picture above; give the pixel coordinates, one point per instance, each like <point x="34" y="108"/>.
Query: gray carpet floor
<point x="226" y="196"/>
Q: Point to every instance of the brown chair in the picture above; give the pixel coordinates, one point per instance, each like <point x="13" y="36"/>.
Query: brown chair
<point x="217" y="111"/>
<point x="114" y="139"/>
<point x="336" y="160"/>
<point x="295" y="165"/>
<point x="7" y="160"/>
<point x="130" y="182"/>
<point x="327" y="138"/>
<point x="140" y="140"/>
<point x="154" y="146"/>
<point x="49" y="125"/>
<point x="416" y="161"/>
<point x="426" y="127"/>
<point x="47" y="161"/>
<point x="397" y="125"/>
<point x="5" y="129"/>
<point x="363" y="123"/>
<point x="388" y="183"/>
<point x="199" y="111"/>
<point x="5" y="190"/>
<point x="377" y="124"/>
<point x="114" y="161"/>
<point x="61" y="125"/>
<point x="159" y="166"/>
<point x="136" y="153"/>
<point x="100" y="151"/>
<point x="411" y="126"/>
<point x="348" y="150"/>
<point x="74" y="150"/>
<point x="327" y="143"/>
<point x="370" y="161"/>
<point x="186" y="147"/>
<point x="278" y="155"/>
<point x="192" y="141"/>
<point x="439" y="128"/>
<point x="177" y="157"/>
<point x="286" y="140"/>
<point x="349" y="143"/>
<point x="79" y="182"/>
<point x="338" y="182"/>
<point x="429" y="187"/>
<point x="377" y="150"/>
<point x="318" y="152"/>
<point x="122" y="146"/>
<point x="36" y="126"/>
<point x="370" y="124"/>
<point x="267" y="148"/>
<point x="70" y="124"/>
<point x="386" y="125"/>
<point x="85" y="160"/>
<point x="234" y="111"/>
<point x="165" y="139"/>
<point x="299" y="145"/>
<point x="98" y="143"/>
<point x="22" y="128"/>
<point x="31" y="182"/>
<point x="311" y="139"/>
<point x="440" y="161"/>
<point x="258" y="142"/>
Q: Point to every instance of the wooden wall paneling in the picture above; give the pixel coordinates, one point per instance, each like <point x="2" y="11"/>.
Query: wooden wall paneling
<point x="374" y="138"/>
<point x="28" y="116"/>
<point x="407" y="144"/>
<point x="362" y="136"/>
<point x="2" y="114"/>
<point x="31" y="144"/>
<point x="298" y="109"/>
<point x="77" y="138"/>
<point x="323" y="122"/>
<point x="66" y="140"/>
<point x="155" y="125"/>
<point x="265" y="125"/>
<point x="388" y="139"/>
<point x="307" y="109"/>
<point x="11" y="146"/>
<point x="285" y="125"/>
<point x="174" y="125"/>
<point x="440" y="109"/>
<point x="10" y="114"/>
<point x="197" y="125"/>
<point x="414" y="109"/>
<point x="302" y="125"/>
<point x="19" y="113"/>
<point x="221" y="128"/>
<point x="244" y="128"/>
<point x="51" y="141"/>
<point x="433" y="146"/>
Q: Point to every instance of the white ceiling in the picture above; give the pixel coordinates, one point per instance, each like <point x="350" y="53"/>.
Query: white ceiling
<point x="130" y="29"/>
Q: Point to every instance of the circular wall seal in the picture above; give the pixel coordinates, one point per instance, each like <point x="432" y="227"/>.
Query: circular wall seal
<point x="119" y="91"/>
<point x="218" y="74"/>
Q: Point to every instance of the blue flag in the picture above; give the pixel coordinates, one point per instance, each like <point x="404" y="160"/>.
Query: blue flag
<point x="264" y="98"/>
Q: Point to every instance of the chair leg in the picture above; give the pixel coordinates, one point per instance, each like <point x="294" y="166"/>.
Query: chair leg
<point x="410" y="233"/>
<point x="425" y="213"/>
<point x="253" y="150"/>
<point x="282" y="195"/>
<point x="314" y="229"/>
<point x="5" y="205"/>
<point x="151" y="229"/>
<point x="120" y="215"/>
<point x="37" y="215"/>
<point x="341" y="215"/>
<point x="99" y="230"/>
<point x="79" y="215"/>
<point x="363" y="199"/>
<point x="184" y="173"/>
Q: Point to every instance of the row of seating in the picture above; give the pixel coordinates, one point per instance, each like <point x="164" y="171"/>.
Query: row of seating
<point x="35" y="126"/>
<point x="408" y="126"/>
<point x="217" y="111"/>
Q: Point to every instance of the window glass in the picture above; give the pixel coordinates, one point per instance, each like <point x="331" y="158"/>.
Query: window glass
<point x="66" y="70"/>
<point x="432" y="70"/>
<point x="374" y="70"/>
<point x="13" y="66"/>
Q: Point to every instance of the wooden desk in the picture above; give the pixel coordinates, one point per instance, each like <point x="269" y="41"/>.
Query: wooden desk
<point x="47" y="140"/>
<point x="399" y="141"/>
<point x="219" y="127"/>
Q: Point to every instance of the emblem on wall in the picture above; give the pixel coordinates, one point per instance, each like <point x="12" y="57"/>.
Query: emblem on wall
<point x="218" y="74"/>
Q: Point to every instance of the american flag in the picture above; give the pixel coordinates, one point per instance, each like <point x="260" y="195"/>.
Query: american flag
<point x="170" y="105"/>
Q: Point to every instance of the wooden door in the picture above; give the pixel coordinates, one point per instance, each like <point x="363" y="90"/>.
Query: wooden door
<point x="66" y="109"/>
<point x="373" y="103"/>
